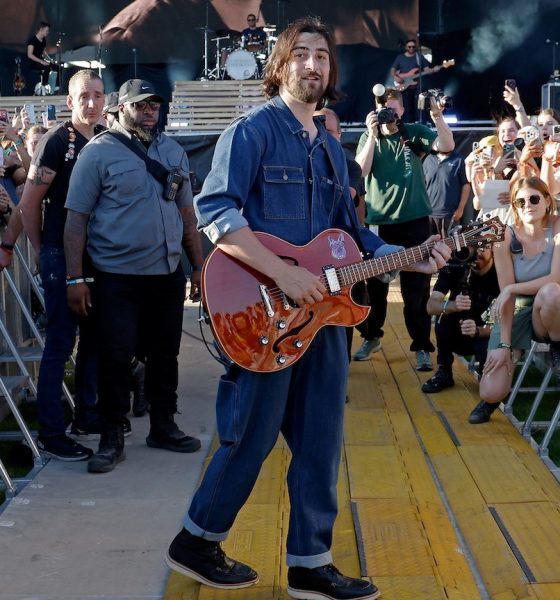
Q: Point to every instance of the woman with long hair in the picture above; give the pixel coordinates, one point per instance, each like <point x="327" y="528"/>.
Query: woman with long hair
<point x="528" y="307"/>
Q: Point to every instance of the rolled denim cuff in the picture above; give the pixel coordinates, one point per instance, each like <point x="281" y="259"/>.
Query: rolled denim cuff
<point x="230" y="220"/>
<point x="193" y="528"/>
<point x="309" y="562"/>
<point x="383" y="251"/>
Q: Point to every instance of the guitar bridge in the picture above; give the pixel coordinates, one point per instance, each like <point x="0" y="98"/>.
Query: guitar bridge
<point x="332" y="280"/>
<point x="265" y="296"/>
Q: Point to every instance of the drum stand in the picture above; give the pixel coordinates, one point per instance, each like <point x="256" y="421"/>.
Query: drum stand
<point x="217" y="72"/>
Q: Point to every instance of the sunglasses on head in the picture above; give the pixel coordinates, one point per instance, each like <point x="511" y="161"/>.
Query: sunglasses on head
<point x="521" y="202"/>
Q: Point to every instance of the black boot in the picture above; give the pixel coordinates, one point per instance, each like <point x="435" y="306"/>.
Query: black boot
<point x="329" y="583"/>
<point x="165" y="434"/>
<point x="206" y="562"/>
<point x="111" y="451"/>
<point x="139" y="403"/>
<point x="481" y="412"/>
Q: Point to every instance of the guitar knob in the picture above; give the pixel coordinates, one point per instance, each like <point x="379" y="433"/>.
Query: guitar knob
<point x="281" y="324"/>
<point x="263" y="340"/>
<point x="298" y="344"/>
<point x="280" y="359"/>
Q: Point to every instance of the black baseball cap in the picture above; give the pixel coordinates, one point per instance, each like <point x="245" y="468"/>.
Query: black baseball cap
<point x="111" y="103"/>
<point x="136" y="90"/>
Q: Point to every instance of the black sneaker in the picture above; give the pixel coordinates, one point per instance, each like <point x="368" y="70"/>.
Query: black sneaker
<point x="328" y="583"/>
<point x="63" y="448"/>
<point x="88" y="431"/>
<point x="165" y="434"/>
<point x="441" y="380"/>
<point x="481" y="412"/>
<point x="555" y="357"/>
<point x="205" y="562"/>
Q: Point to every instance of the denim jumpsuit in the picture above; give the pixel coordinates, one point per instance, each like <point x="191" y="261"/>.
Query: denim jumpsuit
<point x="267" y="175"/>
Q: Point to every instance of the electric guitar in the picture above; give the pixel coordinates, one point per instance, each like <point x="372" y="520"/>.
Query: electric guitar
<point x="19" y="81"/>
<point x="259" y="328"/>
<point x="410" y="77"/>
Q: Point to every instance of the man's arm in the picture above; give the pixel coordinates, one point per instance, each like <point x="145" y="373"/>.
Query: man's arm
<point x="444" y="141"/>
<point x="365" y="155"/>
<point x="192" y="245"/>
<point x="296" y="282"/>
<point x="34" y="192"/>
<point x="34" y="58"/>
<point x="75" y="230"/>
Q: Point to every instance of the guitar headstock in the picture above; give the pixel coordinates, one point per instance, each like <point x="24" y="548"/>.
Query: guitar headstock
<point x="448" y="63"/>
<point x="483" y="233"/>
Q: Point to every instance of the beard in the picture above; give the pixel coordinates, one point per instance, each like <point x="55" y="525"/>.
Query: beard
<point x="301" y="91"/>
<point x="146" y="134"/>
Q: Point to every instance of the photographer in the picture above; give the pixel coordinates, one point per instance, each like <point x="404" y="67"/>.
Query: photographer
<point x="390" y="154"/>
<point x="463" y="292"/>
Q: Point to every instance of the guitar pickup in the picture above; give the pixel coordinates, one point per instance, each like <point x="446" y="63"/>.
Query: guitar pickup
<point x="332" y="280"/>
<point x="265" y="296"/>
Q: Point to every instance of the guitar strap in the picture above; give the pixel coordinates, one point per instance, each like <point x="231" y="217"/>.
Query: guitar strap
<point x="351" y="213"/>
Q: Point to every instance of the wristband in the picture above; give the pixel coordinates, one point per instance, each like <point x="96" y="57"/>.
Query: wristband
<point x="504" y="345"/>
<point x="76" y="280"/>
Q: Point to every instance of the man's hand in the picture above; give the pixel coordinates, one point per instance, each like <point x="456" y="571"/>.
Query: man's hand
<point x="372" y="124"/>
<point x="441" y="253"/>
<point x="468" y="327"/>
<point x="194" y="294"/>
<point x="79" y="298"/>
<point x="299" y="284"/>
<point x="462" y="302"/>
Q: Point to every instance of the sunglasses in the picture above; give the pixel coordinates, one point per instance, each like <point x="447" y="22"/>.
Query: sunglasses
<point x="411" y="47"/>
<point x="142" y="105"/>
<point x="521" y="202"/>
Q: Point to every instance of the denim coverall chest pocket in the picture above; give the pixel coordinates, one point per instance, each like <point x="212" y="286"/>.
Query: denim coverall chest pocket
<point x="284" y="196"/>
<point x="331" y="193"/>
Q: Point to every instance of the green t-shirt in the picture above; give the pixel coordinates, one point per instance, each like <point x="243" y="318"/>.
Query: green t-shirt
<point x="395" y="188"/>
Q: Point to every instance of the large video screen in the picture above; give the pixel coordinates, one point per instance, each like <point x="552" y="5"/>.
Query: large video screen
<point x="185" y="36"/>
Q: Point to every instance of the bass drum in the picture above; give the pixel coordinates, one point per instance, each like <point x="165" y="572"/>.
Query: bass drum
<point x="241" y="64"/>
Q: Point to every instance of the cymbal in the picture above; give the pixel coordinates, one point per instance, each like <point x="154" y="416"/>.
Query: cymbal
<point x="225" y="32"/>
<point x="210" y="31"/>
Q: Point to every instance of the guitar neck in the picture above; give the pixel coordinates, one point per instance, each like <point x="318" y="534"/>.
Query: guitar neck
<point x="372" y="267"/>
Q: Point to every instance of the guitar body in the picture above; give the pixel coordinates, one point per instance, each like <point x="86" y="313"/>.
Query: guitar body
<point x="409" y="79"/>
<point x="258" y="328"/>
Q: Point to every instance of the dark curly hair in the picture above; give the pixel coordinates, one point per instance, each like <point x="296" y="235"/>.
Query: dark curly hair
<point x="276" y="66"/>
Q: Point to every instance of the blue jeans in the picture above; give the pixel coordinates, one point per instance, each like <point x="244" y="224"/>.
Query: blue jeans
<point x="306" y="403"/>
<point x="59" y="343"/>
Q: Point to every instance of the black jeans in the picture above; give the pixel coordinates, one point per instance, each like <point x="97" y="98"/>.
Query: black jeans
<point x="450" y="340"/>
<point x="133" y="310"/>
<point x="415" y="289"/>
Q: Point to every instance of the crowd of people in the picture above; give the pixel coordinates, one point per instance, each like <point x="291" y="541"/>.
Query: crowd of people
<point x="108" y="208"/>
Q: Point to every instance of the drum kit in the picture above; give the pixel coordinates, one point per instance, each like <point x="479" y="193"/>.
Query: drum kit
<point x="237" y="56"/>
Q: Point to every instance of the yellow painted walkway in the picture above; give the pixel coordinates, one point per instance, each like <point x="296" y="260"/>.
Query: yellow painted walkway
<point x="430" y="506"/>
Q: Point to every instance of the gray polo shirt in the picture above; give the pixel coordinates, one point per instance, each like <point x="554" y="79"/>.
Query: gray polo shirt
<point x="132" y="229"/>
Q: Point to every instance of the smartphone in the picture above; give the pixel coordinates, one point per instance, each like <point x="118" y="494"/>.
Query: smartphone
<point x="30" y="110"/>
<point x="51" y="112"/>
<point x="45" y="120"/>
<point x="511" y="83"/>
<point x="475" y="146"/>
<point x="519" y="143"/>
<point x="556" y="130"/>
<point x="4" y="115"/>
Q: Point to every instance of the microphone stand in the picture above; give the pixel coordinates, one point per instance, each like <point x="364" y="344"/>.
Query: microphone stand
<point x="99" y="50"/>
<point x="134" y="61"/>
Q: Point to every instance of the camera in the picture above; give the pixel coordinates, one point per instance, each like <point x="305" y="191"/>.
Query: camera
<point x="556" y="130"/>
<point x="172" y="184"/>
<point x="386" y="115"/>
<point x="441" y="99"/>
